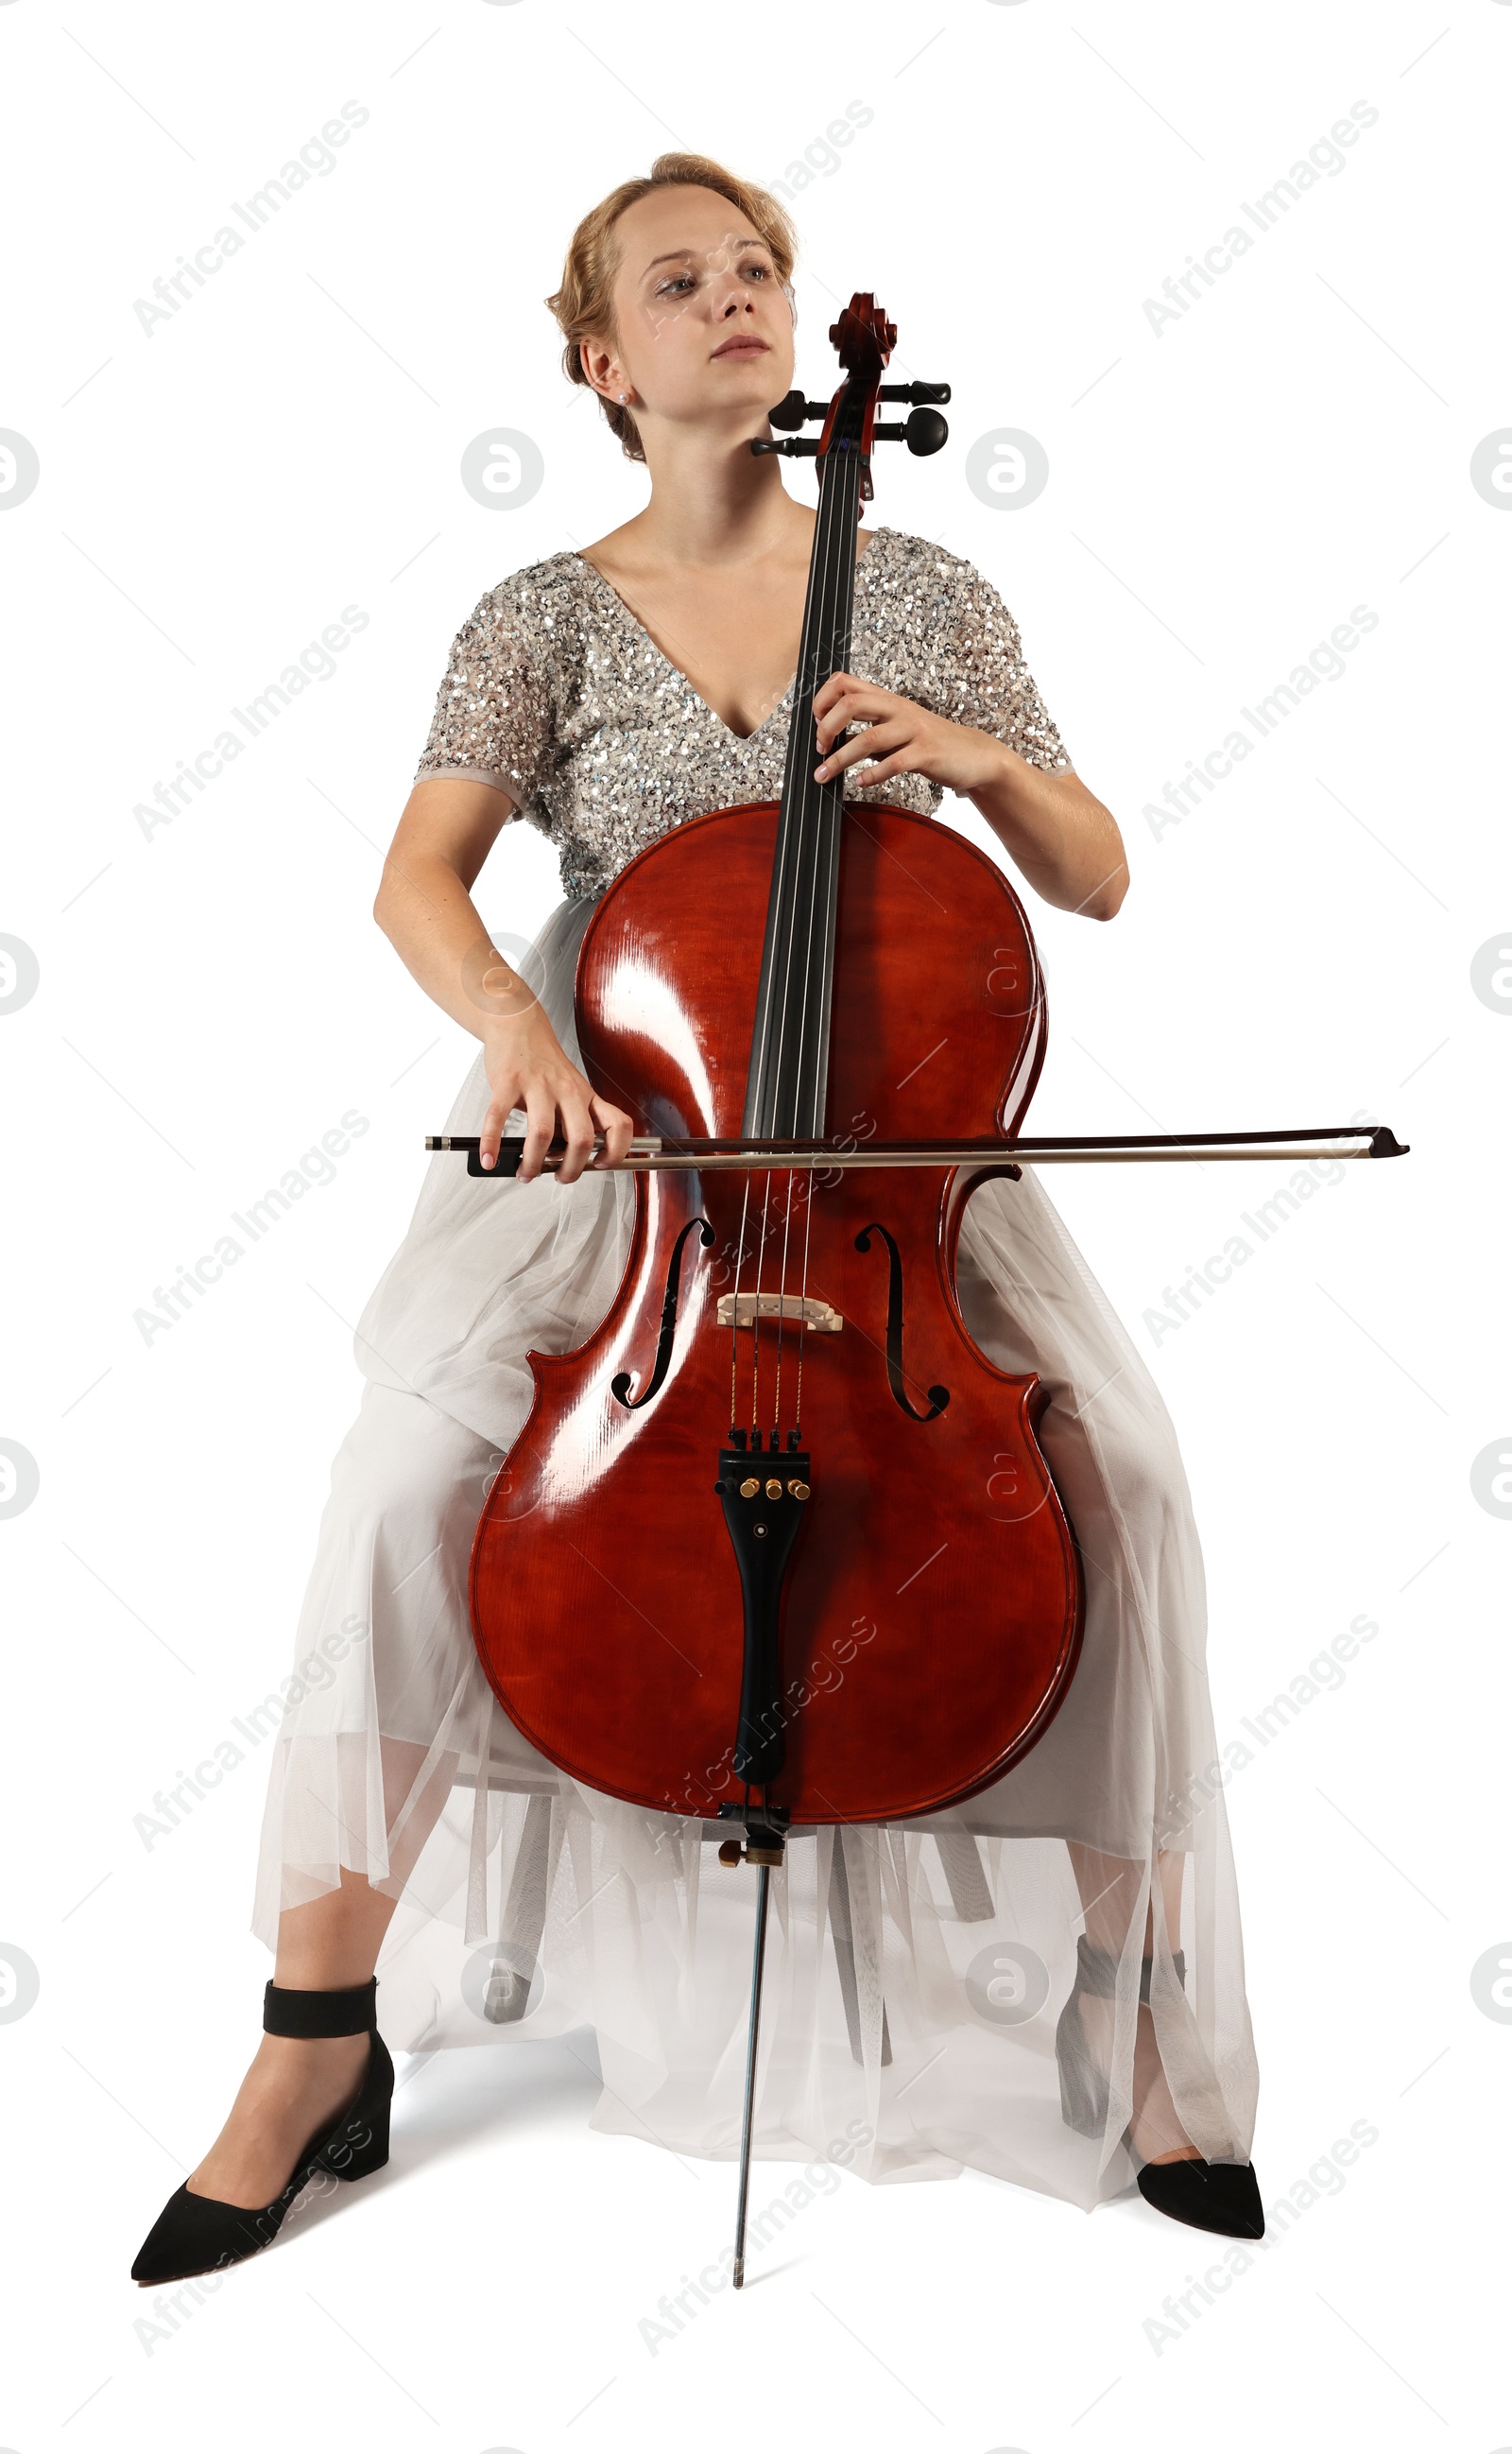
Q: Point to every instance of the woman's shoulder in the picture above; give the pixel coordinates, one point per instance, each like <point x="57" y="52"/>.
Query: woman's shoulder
<point x="932" y="566"/>
<point x="531" y="597"/>
<point x="901" y="545"/>
<point x="937" y="599"/>
<point x="528" y="630"/>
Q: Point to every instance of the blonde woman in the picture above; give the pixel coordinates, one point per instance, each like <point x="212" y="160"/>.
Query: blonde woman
<point x="1045" y="1983"/>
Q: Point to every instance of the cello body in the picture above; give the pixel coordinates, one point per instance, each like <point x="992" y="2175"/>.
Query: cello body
<point x="929" y="1615"/>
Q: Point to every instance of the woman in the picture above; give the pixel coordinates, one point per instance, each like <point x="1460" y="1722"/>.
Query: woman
<point x="914" y="1972"/>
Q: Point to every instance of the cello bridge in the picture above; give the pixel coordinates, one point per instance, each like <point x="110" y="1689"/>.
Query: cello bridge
<point x="740" y="1312"/>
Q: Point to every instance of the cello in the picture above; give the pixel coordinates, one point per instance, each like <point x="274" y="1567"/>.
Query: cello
<point x="737" y="1566"/>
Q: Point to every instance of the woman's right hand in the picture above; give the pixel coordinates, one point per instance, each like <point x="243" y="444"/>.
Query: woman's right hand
<point x="529" y="1068"/>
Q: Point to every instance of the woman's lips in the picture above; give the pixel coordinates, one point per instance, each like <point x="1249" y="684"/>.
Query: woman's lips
<point x="741" y="349"/>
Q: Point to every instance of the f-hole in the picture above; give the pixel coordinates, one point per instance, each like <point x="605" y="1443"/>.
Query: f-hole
<point x="939" y="1399"/>
<point x="620" y="1385"/>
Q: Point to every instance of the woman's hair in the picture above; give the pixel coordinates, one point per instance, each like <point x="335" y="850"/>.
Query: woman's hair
<point x="583" y="306"/>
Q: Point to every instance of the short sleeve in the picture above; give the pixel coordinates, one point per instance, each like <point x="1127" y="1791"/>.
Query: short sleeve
<point x="493" y="720"/>
<point x="987" y="683"/>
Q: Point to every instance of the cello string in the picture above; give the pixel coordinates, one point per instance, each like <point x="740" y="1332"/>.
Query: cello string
<point x="806" y="801"/>
<point x="782" y="1312"/>
<point x="803" y="1319"/>
<point x="839" y="598"/>
<point x="813" y="793"/>
<point x="782" y="967"/>
<point x="830" y="599"/>
<point x="807" y="798"/>
<point x="756" y="1316"/>
<point x="836" y="616"/>
<point x="814" y="806"/>
<point x="794" y="794"/>
<point x="807" y="806"/>
<point x="839" y="573"/>
<point x="809" y="644"/>
<point x="734" y="1325"/>
<point x="837" y="586"/>
<point x="798" y="780"/>
<point x="799" y="800"/>
<point x="842" y="569"/>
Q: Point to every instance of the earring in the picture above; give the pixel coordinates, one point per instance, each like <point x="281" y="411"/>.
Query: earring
<point x="624" y="396"/>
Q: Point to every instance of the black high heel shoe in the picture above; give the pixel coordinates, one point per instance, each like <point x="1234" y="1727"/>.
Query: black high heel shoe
<point x="194" y="2235"/>
<point x="1223" y="2198"/>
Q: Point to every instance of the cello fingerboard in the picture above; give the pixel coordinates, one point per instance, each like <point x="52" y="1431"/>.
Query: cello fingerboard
<point x="790" y="1061"/>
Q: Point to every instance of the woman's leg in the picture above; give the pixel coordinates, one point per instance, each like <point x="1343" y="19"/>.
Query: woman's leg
<point x="294" y="2085"/>
<point x="406" y="1488"/>
<point x="1107" y="1885"/>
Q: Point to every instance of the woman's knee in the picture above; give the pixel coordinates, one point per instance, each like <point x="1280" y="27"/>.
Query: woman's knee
<point x="411" y="1474"/>
<point x="1127" y="1462"/>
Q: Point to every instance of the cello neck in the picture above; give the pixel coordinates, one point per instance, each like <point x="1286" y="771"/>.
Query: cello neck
<point x="785" y="1085"/>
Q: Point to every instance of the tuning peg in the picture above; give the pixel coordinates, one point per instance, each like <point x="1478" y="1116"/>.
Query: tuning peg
<point x="917" y="394"/>
<point x="798" y="447"/>
<point x="925" y="432"/>
<point x="792" y="411"/>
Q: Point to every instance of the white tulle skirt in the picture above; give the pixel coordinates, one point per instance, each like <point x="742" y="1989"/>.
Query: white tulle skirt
<point x="915" y="1974"/>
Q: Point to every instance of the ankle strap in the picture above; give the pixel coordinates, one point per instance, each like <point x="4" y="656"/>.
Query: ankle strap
<point x="341" y="2011"/>
<point x="1097" y="1970"/>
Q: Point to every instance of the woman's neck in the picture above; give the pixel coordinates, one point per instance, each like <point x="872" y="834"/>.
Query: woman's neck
<point x="714" y="504"/>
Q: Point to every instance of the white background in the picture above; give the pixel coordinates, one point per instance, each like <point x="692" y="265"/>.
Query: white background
<point x="213" y="998"/>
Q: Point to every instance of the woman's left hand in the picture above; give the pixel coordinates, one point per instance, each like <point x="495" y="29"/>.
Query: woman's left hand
<point x="1067" y="844"/>
<point x="902" y="737"/>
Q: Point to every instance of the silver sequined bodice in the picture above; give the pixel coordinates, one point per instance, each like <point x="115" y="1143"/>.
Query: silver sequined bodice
<point x="557" y="695"/>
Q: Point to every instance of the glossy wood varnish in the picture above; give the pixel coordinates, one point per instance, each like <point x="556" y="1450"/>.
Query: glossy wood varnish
<point x="933" y="1607"/>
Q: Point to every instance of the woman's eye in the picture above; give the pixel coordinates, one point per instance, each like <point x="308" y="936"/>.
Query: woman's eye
<point x="677" y="284"/>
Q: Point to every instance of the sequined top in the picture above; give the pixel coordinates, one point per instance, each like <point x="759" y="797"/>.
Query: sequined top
<point x="557" y="695"/>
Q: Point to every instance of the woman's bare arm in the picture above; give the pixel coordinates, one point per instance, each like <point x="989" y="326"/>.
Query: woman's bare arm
<point x="424" y="905"/>
<point x="425" y="908"/>
<point x="1061" y="836"/>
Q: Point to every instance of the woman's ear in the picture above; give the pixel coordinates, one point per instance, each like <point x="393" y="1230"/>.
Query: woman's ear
<point x="601" y="369"/>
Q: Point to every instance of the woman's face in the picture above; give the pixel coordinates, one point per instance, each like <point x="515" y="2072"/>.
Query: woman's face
<point x="704" y="334"/>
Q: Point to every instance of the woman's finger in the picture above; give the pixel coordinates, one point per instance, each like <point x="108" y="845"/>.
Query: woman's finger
<point x="835" y="687"/>
<point x="577" y="1132"/>
<point x="899" y="764"/>
<point x="540" y="1125"/>
<point x="874" y="743"/>
<point x="858" y="705"/>
<point x="617" y="1128"/>
<point x="501" y="1107"/>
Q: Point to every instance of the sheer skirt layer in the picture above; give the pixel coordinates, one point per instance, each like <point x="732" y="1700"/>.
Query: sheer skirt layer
<point x="916" y="1975"/>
